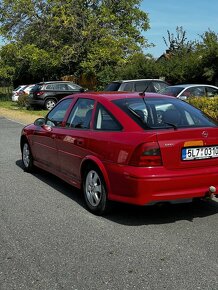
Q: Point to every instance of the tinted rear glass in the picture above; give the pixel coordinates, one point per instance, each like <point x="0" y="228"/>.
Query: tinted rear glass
<point x="113" y="86"/>
<point x="36" y="88"/>
<point x="162" y="113"/>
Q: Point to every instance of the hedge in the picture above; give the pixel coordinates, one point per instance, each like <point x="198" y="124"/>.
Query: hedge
<point x="207" y="105"/>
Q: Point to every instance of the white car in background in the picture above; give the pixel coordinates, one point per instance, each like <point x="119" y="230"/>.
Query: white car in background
<point x="186" y="91"/>
<point x="22" y="89"/>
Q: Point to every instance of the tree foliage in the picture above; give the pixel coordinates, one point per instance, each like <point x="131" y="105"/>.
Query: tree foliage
<point x="77" y="35"/>
<point x="208" y="48"/>
<point x="178" y="43"/>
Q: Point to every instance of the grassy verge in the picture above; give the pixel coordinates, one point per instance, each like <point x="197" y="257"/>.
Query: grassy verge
<point x="13" y="106"/>
<point x="12" y="111"/>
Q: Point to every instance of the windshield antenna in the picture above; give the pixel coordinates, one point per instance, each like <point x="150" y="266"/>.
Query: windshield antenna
<point x="143" y="93"/>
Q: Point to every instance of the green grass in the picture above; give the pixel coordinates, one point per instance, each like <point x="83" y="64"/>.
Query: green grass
<point x="13" y="106"/>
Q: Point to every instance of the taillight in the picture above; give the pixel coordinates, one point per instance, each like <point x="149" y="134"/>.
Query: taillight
<point x="40" y="93"/>
<point x="146" y="155"/>
<point x="19" y="93"/>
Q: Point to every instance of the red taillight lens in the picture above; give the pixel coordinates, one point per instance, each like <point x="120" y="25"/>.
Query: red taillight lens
<point x="40" y="93"/>
<point x="19" y="93"/>
<point x="146" y="155"/>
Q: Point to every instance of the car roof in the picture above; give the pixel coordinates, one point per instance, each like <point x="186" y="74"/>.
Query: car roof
<point x="117" y="95"/>
<point x="137" y="80"/>
<point x="52" y="82"/>
<point x="192" y="85"/>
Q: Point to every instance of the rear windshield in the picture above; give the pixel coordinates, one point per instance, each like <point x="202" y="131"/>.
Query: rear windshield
<point x="162" y="113"/>
<point x="113" y="86"/>
<point x="36" y="88"/>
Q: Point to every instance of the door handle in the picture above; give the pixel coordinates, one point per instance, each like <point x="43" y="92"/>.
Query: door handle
<point x="53" y="136"/>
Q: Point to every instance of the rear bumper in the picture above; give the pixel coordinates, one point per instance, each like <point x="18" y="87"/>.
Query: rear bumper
<point x="150" y="185"/>
<point x="14" y="98"/>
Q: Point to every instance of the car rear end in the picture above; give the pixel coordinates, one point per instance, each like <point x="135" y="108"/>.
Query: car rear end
<point x="36" y="96"/>
<point x="174" y="159"/>
<point x="18" y="92"/>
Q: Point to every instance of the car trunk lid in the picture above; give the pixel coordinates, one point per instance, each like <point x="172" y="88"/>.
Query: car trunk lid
<point x="186" y="148"/>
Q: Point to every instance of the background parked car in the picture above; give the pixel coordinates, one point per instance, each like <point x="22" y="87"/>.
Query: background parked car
<point x="28" y="88"/>
<point x="20" y="91"/>
<point x="47" y="94"/>
<point x="139" y="85"/>
<point x="17" y="92"/>
<point x="185" y="91"/>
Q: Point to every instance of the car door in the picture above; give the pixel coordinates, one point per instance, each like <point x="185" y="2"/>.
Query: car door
<point x="44" y="137"/>
<point x="73" y="141"/>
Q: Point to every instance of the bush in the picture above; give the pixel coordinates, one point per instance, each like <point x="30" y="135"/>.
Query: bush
<point x="22" y="101"/>
<point x="5" y="97"/>
<point x="207" y="105"/>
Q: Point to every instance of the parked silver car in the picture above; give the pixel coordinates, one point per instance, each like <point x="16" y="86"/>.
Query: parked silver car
<point x="138" y="85"/>
<point x="190" y="90"/>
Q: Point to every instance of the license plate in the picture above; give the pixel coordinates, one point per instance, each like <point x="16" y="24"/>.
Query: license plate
<point x="199" y="153"/>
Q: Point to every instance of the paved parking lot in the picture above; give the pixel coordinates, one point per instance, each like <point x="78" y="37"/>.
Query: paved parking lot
<point x="48" y="240"/>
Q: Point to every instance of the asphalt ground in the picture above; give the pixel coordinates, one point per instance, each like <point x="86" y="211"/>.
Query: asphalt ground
<point x="48" y="240"/>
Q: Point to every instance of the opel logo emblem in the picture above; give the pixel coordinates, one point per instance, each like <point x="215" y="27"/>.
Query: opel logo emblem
<point x="205" y="134"/>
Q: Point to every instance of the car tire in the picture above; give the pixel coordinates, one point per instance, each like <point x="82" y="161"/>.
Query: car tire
<point x="49" y="104"/>
<point x="95" y="192"/>
<point x="27" y="157"/>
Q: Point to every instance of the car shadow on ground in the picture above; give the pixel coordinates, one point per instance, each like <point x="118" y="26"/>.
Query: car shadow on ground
<point x="132" y="215"/>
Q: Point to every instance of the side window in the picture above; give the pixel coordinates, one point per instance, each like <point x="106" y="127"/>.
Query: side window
<point x="159" y="86"/>
<point x="73" y="87"/>
<point x="127" y="87"/>
<point x="50" y="87"/>
<point x="211" y="92"/>
<point x="105" y="121"/>
<point x="56" y="115"/>
<point x="141" y="86"/>
<point x="80" y="116"/>
<point x="62" y="87"/>
<point x="197" y="92"/>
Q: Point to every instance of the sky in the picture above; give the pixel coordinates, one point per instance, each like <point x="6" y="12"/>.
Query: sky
<point x="195" y="16"/>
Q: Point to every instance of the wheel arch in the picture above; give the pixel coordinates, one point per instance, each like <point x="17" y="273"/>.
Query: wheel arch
<point x="50" y="98"/>
<point x="22" y="140"/>
<point x="95" y="162"/>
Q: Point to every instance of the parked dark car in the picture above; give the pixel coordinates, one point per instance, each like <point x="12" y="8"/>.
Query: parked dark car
<point x="47" y="94"/>
<point x="139" y="85"/>
<point x="126" y="147"/>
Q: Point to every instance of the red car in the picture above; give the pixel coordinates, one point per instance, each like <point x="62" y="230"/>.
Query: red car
<point x="127" y="147"/>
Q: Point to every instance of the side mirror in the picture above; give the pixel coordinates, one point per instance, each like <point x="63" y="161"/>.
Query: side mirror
<point x="82" y="90"/>
<point x="39" y="122"/>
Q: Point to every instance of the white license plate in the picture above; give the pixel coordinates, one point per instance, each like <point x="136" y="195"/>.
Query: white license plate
<point x="199" y="153"/>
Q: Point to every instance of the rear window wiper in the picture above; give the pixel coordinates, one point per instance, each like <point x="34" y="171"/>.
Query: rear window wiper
<point x="136" y="114"/>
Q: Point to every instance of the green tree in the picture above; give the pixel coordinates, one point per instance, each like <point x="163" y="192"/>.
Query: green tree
<point x="178" y="43"/>
<point x="85" y="36"/>
<point x="208" y="50"/>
